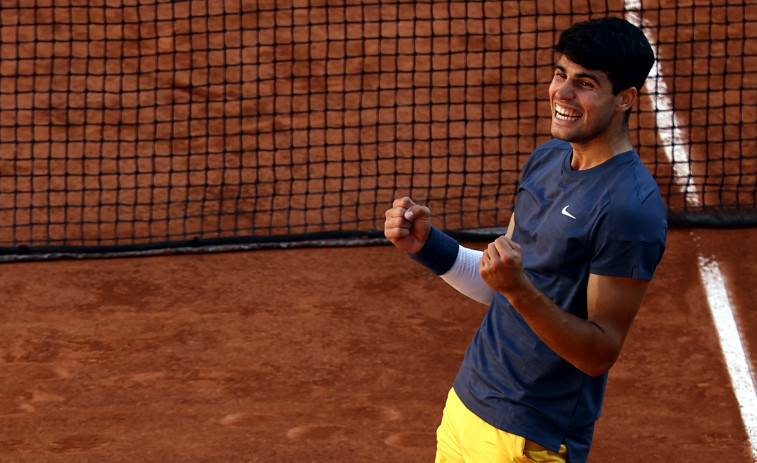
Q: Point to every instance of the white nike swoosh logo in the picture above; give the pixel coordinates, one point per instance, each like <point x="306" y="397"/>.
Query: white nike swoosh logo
<point x="565" y="212"/>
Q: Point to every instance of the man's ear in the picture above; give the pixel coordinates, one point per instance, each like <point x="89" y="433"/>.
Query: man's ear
<point x="626" y="98"/>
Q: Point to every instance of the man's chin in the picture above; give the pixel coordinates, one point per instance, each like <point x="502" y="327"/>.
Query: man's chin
<point x="560" y="135"/>
<point x="571" y="136"/>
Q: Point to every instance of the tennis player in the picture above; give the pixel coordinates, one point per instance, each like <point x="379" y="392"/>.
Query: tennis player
<point x="586" y="235"/>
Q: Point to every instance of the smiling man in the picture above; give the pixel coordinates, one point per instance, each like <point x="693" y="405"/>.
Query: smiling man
<point x="586" y="235"/>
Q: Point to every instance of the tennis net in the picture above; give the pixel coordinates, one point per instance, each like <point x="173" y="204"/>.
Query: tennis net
<point x="144" y="125"/>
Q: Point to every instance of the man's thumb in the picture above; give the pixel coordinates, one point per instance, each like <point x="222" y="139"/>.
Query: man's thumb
<point x="417" y="212"/>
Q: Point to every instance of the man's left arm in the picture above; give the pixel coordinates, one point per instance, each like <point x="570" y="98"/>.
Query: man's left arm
<point x="593" y="344"/>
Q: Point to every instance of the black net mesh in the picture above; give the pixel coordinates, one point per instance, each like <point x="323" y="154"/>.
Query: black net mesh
<point x="155" y="124"/>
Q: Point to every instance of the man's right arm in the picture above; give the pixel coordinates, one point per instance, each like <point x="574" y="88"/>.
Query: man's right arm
<point x="408" y="227"/>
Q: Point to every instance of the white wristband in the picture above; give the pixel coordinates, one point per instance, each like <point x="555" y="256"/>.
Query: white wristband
<point x="464" y="276"/>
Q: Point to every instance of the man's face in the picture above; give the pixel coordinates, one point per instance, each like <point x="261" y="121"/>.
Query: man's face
<point x="583" y="106"/>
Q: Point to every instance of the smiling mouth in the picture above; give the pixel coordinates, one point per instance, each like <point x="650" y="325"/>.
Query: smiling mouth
<point x="565" y="114"/>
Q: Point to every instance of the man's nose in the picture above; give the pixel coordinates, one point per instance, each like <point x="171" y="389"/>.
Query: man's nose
<point x="565" y="90"/>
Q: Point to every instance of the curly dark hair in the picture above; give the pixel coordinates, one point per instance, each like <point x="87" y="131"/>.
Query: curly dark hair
<point x="612" y="45"/>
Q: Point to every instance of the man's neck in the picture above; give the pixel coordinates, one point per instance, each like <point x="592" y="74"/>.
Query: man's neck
<point x="598" y="150"/>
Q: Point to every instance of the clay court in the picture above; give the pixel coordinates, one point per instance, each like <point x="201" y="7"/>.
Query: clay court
<point x="192" y="264"/>
<point x="325" y="355"/>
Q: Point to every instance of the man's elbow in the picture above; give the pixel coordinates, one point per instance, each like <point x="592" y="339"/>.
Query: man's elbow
<point x="599" y="362"/>
<point x="597" y="368"/>
<point x="601" y="352"/>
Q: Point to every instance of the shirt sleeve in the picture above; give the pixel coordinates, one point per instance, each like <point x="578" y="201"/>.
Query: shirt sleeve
<point x="630" y="244"/>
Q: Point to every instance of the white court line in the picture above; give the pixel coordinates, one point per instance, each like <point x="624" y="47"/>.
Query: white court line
<point x="733" y="349"/>
<point x="731" y="344"/>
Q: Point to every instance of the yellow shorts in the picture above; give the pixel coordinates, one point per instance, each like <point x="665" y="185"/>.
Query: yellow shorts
<point x="463" y="437"/>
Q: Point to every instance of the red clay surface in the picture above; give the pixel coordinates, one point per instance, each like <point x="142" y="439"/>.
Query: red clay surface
<point x="324" y="355"/>
<point x="332" y="354"/>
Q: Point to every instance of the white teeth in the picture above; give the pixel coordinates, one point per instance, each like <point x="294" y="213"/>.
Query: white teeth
<point x="565" y="114"/>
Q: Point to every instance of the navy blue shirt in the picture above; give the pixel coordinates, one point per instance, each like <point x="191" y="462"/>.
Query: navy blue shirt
<point x="607" y="220"/>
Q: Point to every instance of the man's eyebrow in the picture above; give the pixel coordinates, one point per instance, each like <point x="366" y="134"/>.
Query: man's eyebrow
<point x="581" y="75"/>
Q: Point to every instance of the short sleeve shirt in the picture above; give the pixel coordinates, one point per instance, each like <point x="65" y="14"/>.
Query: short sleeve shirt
<point x="607" y="220"/>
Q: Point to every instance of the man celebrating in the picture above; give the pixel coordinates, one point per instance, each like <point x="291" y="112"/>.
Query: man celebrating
<point x="587" y="232"/>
